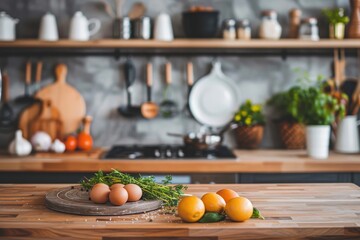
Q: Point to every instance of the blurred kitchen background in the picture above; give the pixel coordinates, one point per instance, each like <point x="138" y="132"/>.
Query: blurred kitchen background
<point x="101" y="81"/>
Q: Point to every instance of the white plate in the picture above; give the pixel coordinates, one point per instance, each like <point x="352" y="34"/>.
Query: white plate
<point x="214" y="99"/>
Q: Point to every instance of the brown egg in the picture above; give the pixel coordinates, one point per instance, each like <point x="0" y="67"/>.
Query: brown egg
<point x="116" y="185"/>
<point x="118" y="196"/>
<point x="100" y="193"/>
<point x="134" y="192"/>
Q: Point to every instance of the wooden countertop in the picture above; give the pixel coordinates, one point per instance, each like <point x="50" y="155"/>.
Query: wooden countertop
<point x="292" y="211"/>
<point x="258" y="161"/>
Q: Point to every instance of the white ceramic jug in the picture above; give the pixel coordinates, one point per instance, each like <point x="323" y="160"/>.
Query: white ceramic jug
<point x="81" y="28"/>
<point x="7" y="27"/>
<point x="48" y="28"/>
<point x="347" y="136"/>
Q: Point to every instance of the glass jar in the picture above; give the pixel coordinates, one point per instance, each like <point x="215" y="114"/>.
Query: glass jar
<point x="243" y="29"/>
<point x="229" y="29"/>
<point x="270" y="28"/>
<point x="309" y="29"/>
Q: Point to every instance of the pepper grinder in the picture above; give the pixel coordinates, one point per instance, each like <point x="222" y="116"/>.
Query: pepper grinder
<point x="354" y="26"/>
<point x="295" y="21"/>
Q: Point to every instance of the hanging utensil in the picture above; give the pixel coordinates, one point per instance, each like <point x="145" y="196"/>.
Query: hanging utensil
<point x="6" y="112"/>
<point x="26" y="100"/>
<point x="7" y="117"/>
<point x="33" y="111"/>
<point x="149" y="109"/>
<point x="214" y="98"/>
<point x="168" y="108"/>
<point x="190" y="82"/>
<point x="128" y="110"/>
<point x="137" y="11"/>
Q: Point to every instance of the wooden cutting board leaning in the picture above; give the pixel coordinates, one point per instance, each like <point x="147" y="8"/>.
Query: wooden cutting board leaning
<point x="66" y="99"/>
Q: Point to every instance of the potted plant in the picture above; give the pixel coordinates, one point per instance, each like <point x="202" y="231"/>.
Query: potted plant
<point x="292" y="131"/>
<point x="318" y="110"/>
<point x="250" y="125"/>
<point x="337" y="21"/>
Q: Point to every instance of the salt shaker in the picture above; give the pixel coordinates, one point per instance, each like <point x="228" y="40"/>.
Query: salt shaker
<point x="243" y="29"/>
<point x="309" y="29"/>
<point x="229" y="29"/>
<point x="270" y="28"/>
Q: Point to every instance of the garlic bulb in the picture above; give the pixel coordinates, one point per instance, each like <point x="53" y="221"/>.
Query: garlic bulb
<point x="20" y="146"/>
<point x="41" y="141"/>
<point x="58" y="146"/>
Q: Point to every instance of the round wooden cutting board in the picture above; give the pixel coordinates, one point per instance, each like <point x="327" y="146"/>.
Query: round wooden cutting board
<point x="73" y="200"/>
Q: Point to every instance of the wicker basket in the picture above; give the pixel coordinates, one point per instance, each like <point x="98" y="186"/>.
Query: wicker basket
<point x="292" y="135"/>
<point x="249" y="137"/>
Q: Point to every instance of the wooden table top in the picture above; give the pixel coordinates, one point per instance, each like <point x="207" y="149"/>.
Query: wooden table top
<point x="257" y="161"/>
<point x="330" y="211"/>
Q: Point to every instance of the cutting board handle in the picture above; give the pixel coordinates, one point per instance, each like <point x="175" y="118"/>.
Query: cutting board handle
<point x="60" y="72"/>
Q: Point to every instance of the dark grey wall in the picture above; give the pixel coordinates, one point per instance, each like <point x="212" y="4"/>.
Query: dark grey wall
<point x="101" y="82"/>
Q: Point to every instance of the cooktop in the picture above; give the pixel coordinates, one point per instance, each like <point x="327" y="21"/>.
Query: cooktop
<point x="167" y="152"/>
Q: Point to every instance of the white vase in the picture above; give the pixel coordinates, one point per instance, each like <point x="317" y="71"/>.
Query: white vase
<point x="317" y="141"/>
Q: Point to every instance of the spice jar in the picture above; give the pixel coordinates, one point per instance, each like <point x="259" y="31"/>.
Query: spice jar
<point x="270" y="28"/>
<point x="229" y="29"/>
<point x="243" y="29"/>
<point x="309" y="29"/>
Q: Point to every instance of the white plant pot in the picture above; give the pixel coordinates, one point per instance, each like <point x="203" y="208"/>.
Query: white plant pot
<point x="317" y="141"/>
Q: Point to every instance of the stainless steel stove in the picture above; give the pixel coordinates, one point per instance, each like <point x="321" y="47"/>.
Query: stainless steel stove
<point x="167" y="152"/>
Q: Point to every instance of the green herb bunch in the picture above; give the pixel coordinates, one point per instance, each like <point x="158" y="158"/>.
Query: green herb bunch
<point x="168" y="194"/>
<point x="249" y="115"/>
<point x="336" y="15"/>
<point x="319" y="108"/>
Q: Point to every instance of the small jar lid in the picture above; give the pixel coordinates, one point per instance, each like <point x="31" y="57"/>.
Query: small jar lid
<point x="229" y="22"/>
<point x="295" y="12"/>
<point x="269" y="13"/>
<point x="309" y="20"/>
<point x="243" y="23"/>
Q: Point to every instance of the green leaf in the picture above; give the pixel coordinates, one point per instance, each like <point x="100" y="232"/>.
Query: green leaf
<point x="256" y="214"/>
<point x="211" y="217"/>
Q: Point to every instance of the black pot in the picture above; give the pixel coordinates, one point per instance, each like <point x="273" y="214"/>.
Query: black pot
<point x="200" y="24"/>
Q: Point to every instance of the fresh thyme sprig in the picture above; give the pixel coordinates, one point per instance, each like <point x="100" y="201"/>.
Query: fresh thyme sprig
<point x="169" y="194"/>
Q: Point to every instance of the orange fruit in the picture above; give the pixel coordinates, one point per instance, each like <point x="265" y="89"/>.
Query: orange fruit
<point x="239" y="209"/>
<point x="70" y="143"/>
<point x="191" y="209"/>
<point x="227" y="194"/>
<point x="213" y="202"/>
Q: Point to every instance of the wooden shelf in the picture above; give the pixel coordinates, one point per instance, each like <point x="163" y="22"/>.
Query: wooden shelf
<point x="247" y="161"/>
<point x="186" y="44"/>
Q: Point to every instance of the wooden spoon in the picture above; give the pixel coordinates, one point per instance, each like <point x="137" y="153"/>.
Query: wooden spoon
<point x="137" y="11"/>
<point x="149" y="109"/>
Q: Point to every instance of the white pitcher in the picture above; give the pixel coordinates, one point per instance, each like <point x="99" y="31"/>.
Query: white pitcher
<point x="48" y="28"/>
<point x="347" y="136"/>
<point x="7" y="27"/>
<point x="81" y="28"/>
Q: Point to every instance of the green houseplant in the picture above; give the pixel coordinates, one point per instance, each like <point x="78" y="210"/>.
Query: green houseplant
<point x="292" y="131"/>
<point x="337" y="21"/>
<point x="319" y="110"/>
<point x="250" y="125"/>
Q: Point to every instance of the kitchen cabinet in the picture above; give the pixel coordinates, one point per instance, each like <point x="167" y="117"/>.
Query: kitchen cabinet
<point x="301" y="211"/>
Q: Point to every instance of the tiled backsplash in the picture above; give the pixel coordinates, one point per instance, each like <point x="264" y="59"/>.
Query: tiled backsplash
<point x="101" y="81"/>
